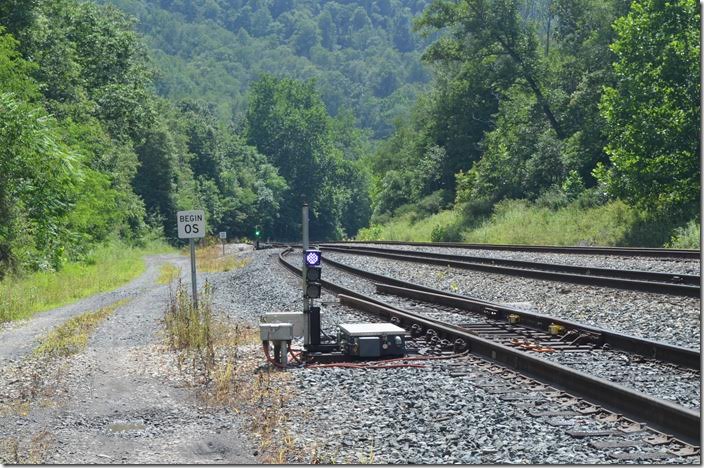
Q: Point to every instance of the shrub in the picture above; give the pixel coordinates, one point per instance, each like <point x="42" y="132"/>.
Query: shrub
<point x="686" y="237"/>
<point x="449" y="233"/>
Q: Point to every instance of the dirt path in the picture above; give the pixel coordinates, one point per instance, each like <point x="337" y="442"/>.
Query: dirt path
<point x="123" y="401"/>
<point x="18" y="339"/>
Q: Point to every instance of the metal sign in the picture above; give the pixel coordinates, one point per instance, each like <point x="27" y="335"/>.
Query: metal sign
<point x="223" y="235"/>
<point x="191" y="224"/>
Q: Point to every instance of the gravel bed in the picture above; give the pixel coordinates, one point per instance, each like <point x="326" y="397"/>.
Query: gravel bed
<point x="671" y="265"/>
<point x="670" y="319"/>
<point x="260" y="287"/>
<point x="404" y="415"/>
<point x="662" y="380"/>
<point x="424" y="416"/>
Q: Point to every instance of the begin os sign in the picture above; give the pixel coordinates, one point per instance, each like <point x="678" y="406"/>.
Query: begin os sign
<point x="191" y="224"/>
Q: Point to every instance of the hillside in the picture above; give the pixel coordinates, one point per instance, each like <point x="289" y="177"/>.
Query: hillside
<point x="362" y="54"/>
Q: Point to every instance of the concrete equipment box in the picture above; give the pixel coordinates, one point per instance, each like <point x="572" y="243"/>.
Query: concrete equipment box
<point x="276" y="331"/>
<point x="294" y="318"/>
<point x="372" y="340"/>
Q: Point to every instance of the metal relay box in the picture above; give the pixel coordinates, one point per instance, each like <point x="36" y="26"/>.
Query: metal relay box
<point x="372" y="339"/>
<point x="276" y="331"/>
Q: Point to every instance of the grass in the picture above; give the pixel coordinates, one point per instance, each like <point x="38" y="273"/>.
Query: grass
<point x="188" y="328"/>
<point x="209" y="259"/>
<point x="225" y="364"/>
<point x="686" y="237"/>
<point x="168" y="273"/>
<point x="404" y="229"/>
<point x="108" y="267"/>
<point x="72" y="336"/>
<point x="519" y="222"/>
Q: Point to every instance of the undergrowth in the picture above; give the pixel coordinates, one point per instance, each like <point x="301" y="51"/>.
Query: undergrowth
<point x="72" y="336"/>
<point x="223" y="361"/>
<point x="106" y="268"/>
<point x="168" y="273"/>
<point x="521" y="222"/>
<point x="210" y="259"/>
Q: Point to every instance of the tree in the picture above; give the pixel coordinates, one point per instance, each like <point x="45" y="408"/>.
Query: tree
<point x="483" y="28"/>
<point x="287" y="121"/>
<point x="652" y="112"/>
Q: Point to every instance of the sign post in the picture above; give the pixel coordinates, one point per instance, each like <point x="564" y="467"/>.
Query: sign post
<point x="223" y="236"/>
<point x="191" y="225"/>
<point x="304" y="270"/>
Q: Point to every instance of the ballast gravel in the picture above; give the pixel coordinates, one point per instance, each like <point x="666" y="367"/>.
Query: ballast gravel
<point x="672" y="383"/>
<point x="404" y="415"/>
<point x="655" y="264"/>
<point x="670" y="319"/>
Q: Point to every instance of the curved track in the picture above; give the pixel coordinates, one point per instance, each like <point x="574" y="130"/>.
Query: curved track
<point x="617" y="251"/>
<point x="664" y="416"/>
<point x="647" y="281"/>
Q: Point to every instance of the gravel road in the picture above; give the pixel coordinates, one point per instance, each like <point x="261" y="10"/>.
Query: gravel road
<point x="121" y="400"/>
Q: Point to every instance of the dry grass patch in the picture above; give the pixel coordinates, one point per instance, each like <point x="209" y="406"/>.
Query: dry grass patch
<point x="14" y="450"/>
<point x="72" y="336"/>
<point x="209" y="259"/>
<point x="223" y="360"/>
<point x="168" y="273"/>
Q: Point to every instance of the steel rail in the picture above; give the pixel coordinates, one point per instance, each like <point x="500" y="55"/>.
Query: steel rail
<point x="647" y="348"/>
<point x="680" y="422"/>
<point x="597" y="250"/>
<point x="654" y="276"/>
<point x="576" y="278"/>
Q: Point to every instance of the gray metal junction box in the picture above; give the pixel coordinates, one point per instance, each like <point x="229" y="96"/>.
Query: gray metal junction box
<point x="372" y="339"/>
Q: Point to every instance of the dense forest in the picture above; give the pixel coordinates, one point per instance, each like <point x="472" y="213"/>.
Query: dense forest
<point x="115" y="114"/>
<point x="91" y="151"/>
<point x="363" y="55"/>
<point x="580" y="100"/>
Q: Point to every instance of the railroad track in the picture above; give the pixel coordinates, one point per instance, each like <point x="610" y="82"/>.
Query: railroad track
<point x="648" y="281"/>
<point x="614" y="251"/>
<point x="604" y="397"/>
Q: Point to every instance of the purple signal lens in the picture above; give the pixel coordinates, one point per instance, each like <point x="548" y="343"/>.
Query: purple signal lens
<point x="312" y="257"/>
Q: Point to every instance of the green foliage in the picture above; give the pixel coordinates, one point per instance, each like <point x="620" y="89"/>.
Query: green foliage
<point x="687" y="237"/>
<point x="652" y="112"/>
<point x="409" y="227"/>
<point x="39" y="178"/>
<point x="451" y="233"/>
<point x="545" y="101"/>
<point x="518" y="222"/>
<point x="287" y="121"/>
<point x="104" y="268"/>
<point x="521" y="222"/>
<point x="113" y="158"/>
<point x="362" y="55"/>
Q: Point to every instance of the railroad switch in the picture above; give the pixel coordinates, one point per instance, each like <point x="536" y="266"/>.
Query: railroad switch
<point x="556" y="329"/>
<point x="513" y="318"/>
